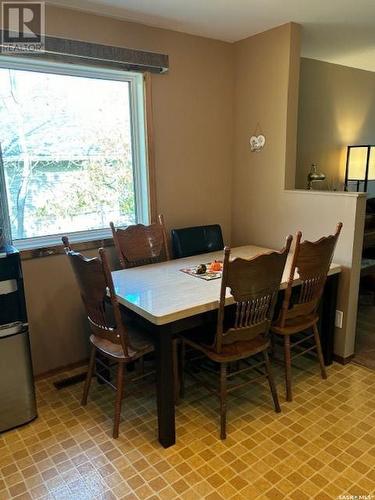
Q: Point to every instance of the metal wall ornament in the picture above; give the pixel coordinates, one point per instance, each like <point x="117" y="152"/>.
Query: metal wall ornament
<point x="258" y="140"/>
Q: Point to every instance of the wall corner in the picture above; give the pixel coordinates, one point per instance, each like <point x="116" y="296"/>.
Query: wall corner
<point x="292" y="106"/>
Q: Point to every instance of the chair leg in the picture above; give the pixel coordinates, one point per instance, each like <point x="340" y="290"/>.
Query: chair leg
<point x="119" y="396"/>
<point x="182" y="369"/>
<point x="176" y="372"/>
<point x="288" y="368"/>
<point x="89" y="375"/>
<point x="141" y="363"/>
<point x="223" y="400"/>
<point x="271" y="382"/>
<point x="273" y="345"/>
<point x="319" y="351"/>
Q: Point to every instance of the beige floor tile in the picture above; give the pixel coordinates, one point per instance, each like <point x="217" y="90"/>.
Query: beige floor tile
<point x="320" y="446"/>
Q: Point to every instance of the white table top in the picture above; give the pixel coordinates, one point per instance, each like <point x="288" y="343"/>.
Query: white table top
<point x="162" y="293"/>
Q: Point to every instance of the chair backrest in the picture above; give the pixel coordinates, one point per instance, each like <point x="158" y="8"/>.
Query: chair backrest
<point x="195" y="240"/>
<point x="254" y="285"/>
<point x="139" y="245"/>
<point x="312" y="261"/>
<point x="95" y="282"/>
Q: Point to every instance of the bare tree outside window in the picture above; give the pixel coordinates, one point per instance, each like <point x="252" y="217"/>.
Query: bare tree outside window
<point x="67" y="152"/>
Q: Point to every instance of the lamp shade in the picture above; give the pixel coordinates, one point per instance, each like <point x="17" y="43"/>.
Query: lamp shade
<point x="360" y="165"/>
<point x="371" y="170"/>
<point x="357" y="163"/>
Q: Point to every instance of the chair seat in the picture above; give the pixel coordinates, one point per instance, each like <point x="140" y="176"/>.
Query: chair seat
<point x="230" y="352"/>
<point x="139" y="340"/>
<point x="296" y="325"/>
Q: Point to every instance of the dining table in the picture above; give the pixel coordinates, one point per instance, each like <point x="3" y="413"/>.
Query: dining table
<point x="169" y="301"/>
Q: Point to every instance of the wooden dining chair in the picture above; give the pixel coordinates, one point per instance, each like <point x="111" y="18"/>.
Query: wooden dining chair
<point x="139" y="245"/>
<point x="254" y="285"/>
<point x="119" y="343"/>
<point x="299" y="311"/>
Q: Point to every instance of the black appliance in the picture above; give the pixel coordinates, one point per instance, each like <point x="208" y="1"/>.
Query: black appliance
<point x="17" y="392"/>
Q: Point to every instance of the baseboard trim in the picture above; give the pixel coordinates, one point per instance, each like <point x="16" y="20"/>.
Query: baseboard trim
<point x="56" y="371"/>
<point x="342" y="360"/>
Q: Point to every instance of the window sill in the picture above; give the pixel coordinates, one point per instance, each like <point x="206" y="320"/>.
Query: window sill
<point x="36" y="253"/>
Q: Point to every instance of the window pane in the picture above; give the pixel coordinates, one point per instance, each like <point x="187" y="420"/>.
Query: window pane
<point x="67" y="152"/>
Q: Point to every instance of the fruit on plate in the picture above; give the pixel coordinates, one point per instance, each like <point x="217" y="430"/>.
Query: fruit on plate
<point x="216" y="266"/>
<point x="201" y="269"/>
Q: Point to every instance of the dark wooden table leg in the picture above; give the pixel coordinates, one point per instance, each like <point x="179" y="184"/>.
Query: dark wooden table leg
<point x="328" y="313"/>
<point x="165" y="386"/>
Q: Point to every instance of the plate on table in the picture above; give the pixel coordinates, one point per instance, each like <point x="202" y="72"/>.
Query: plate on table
<point x="212" y="272"/>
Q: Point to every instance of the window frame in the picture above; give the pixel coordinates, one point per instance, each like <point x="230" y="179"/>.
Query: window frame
<point x="139" y="144"/>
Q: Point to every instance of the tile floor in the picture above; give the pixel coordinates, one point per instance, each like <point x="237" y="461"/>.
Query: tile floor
<point x="365" y="337"/>
<point x="321" y="446"/>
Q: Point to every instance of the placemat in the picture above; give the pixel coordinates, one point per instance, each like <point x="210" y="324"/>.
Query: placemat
<point x="207" y="276"/>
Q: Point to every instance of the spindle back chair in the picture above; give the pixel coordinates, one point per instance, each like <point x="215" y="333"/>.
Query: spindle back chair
<point x="253" y="285"/>
<point x="110" y="338"/>
<point x="311" y="260"/>
<point x="139" y="245"/>
<point x="299" y="312"/>
<point x="95" y="284"/>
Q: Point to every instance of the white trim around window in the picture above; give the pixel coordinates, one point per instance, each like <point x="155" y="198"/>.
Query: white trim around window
<point x="139" y="143"/>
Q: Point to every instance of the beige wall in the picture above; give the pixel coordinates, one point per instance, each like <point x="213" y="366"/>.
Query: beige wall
<point x="262" y="78"/>
<point x="266" y="90"/>
<point x="211" y="86"/>
<point x="58" y="328"/>
<point x="336" y="109"/>
<point x="193" y="142"/>
<point x="192" y="113"/>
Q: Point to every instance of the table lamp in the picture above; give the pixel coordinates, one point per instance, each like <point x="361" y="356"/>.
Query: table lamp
<point x="360" y="166"/>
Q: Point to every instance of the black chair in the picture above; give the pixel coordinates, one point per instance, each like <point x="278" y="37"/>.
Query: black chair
<point x="196" y="240"/>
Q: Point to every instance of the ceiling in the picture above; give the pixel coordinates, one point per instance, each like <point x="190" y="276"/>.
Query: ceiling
<point x="338" y="31"/>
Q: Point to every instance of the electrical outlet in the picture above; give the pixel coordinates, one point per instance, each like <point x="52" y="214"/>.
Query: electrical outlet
<point x="339" y="318"/>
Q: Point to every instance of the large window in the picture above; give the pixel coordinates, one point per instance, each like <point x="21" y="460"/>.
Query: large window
<point x="73" y="151"/>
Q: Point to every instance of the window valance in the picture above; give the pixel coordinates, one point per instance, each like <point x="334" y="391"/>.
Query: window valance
<point x="78" y="52"/>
